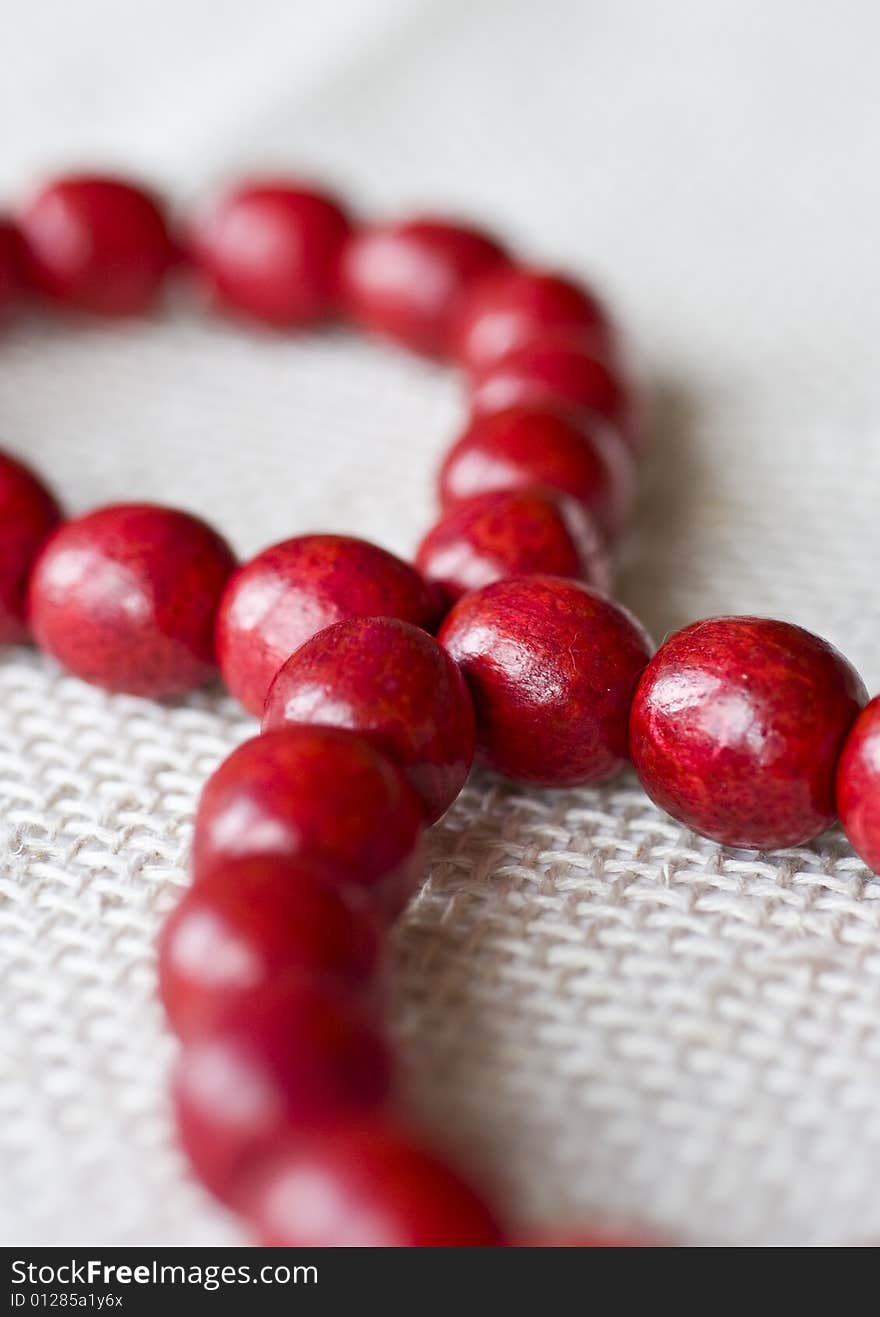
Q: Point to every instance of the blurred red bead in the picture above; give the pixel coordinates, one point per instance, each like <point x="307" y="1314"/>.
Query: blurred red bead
<point x="579" y="456"/>
<point x="125" y="597"/>
<point x="281" y="598"/>
<point x="282" y="1063"/>
<point x="322" y="795"/>
<point x="12" y="275"/>
<point x="551" y="666"/>
<point x="97" y="244"/>
<point x="562" y="374"/>
<point x="28" y="513"/>
<point x="366" y="1185"/>
<point x="406" y="281"/>
<point x="271" y="249"/>
<point x="392" y="683"/>
<point x="858" y="785"/>
<point x="736" y="728"/>
<point x="258" y="923"/>
<point x="515" y="306"/>
<point x="513" y="532"/>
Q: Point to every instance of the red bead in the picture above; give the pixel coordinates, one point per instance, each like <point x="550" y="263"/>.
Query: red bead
<point x="858" y="785"/>
<point x="28" y="512"/>
<point x="559" y="374"/>
<point x="366" y="1185"/>
<point x="97" y="244"/>
<point x="736" y="729"/>
<point x="272" y="249"/>
<point x="392" y="683"/>
<point x="257" y="923"/>
<point x="294" y="589"/>
<point x="125" y="598"/>
<point x="551" y="666"/>
<point x="317" y="794"/>
<point x="515" y="306"/>
<point x="280" y="1063"/>
<point x="11" y="262"/>
<point x="513" y="533"/>
<point x="407" y="280"/>
<point x="578" y="456"/>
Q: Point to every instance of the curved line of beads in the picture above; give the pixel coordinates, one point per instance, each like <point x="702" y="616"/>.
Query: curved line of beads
<point x="307" y="838"/>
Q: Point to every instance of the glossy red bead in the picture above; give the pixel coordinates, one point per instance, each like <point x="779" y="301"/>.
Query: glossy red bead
<point x="12" y="274"/>
<point x="28" y="513"/>
<point x="281" y="598"/>
<point x="513" y="532"/>
<point x="858" y="785"/>
<point x="366" y="1185"/>
<point x="737" y="725"/>
<point x="125" y="597"/>
<point x="97" y="244"/>
<point x="283" y="1063"/>
<point x="562" y="374"/>
<point x="406" y="281"/>
<point x="551" y="666"/>
<point x="256" y="923"/>
<point x="271" y="249"/>
<point x="392" y="683"/>
<point x="322" y="795"/>
<point x="515" y="306"/>
<point x="576" y="455"/>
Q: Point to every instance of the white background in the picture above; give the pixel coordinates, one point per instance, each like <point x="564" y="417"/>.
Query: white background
<point x="603" y="1015"/>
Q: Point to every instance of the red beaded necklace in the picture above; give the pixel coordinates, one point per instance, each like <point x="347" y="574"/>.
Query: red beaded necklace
<point x="378" y="680"/>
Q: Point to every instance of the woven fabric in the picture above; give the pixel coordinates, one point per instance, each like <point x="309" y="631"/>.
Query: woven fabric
<point x="602" y="1015"/>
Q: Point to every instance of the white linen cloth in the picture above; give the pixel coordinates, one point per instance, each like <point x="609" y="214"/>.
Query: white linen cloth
<point x="603" y="1015"/>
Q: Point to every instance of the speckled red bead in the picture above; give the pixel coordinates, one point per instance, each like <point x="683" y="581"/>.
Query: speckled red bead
<point x="11" y="262"/>
<point x="560" y="373"/>
<point x="287" y="1061"/>
<point x="271" y="249"/>
<point x="516" y="305"/>
<point x="258" y="923"/>
<point x="392" y="683"/>
<point x="513" y="532"/>
<point x="736" y="728"/>
<point x="97" y="244"/>
<point x="368" y="1185"/>
<point x="406" y="281"/>
<point x="319" y="794"/>
<point x="551" y="666"/>
<point x="576" y="455"/>
<point x="281" y="598"/>
<point x="858" y="785"/>
<point x="125" y="597"/>
<point x="28" y="512"/>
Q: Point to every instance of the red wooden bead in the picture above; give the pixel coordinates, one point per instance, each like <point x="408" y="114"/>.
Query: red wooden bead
<point x="736" y="729"/>
<point x="271" y="249"/>
<point x="858" y="785"/>
<point x="365" y="1185"/>
<point x="12" y="276"/>
<point x="407" y="280"/>
<point x="561" y="374"/>
<point x="97" y="244"/>
<point x="125" y="597"/>
<point x="515" y="306"/>
<point x="551" y="666"/>
<point x="275" y="602"/>
<point x="319" y="794"/>
<point x="28" y="512"/>
<point x="580" y="456"/>
<point x="513" y="532"/>
<point x="264" y="1066"/>
<point x="256" y="923"/>
<point x="392" y="683"/>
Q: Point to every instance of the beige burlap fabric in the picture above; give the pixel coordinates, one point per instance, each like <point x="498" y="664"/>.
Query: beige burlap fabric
<point x="601" y="1013"/>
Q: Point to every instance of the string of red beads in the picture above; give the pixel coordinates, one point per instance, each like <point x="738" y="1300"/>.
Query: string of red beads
<point x="378" y="681"/>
